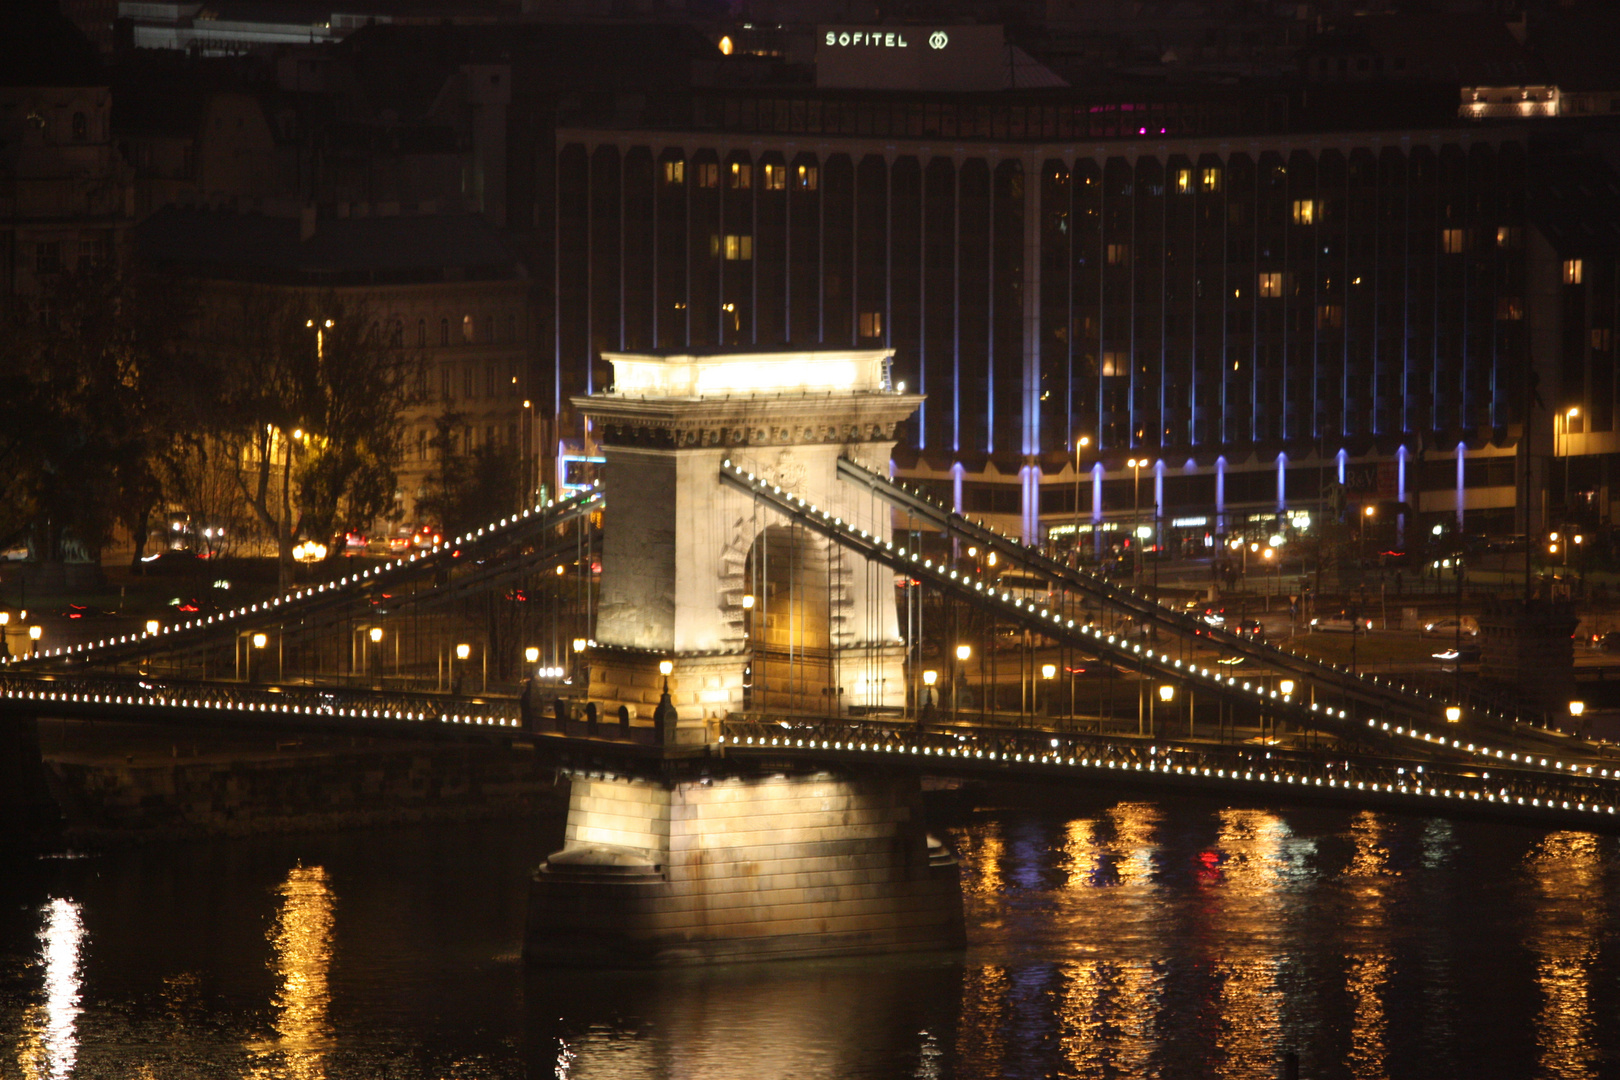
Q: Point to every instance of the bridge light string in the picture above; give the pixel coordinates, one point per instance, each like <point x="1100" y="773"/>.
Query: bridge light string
<point x="86" y="649"/>
<point x="1107" y="590"/>
<point x="836" y="526"/>
<point x="1051" y="754"/>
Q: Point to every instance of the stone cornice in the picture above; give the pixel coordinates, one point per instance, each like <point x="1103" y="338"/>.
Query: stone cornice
<point x="747" y="420"/>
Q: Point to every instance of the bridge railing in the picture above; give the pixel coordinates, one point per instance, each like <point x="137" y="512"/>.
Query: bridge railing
<point x="965" y="749"/>
<point x="133" y="696"/>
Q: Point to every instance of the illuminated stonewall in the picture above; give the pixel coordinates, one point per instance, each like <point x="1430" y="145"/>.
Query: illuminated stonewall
<point x="753" y="614"/>
<point x="699" y="574"/>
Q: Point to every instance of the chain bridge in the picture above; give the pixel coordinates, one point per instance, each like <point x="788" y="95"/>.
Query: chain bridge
<point x="747" y="639"/>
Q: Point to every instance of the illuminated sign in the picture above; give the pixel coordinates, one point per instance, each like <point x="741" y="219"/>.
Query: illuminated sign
<point x="946" y="58"/>
<point x="888" y="39"/>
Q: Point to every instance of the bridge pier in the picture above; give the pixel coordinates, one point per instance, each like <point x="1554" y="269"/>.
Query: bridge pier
<point x="28" y="812"/>
<point x="741" y="868"/>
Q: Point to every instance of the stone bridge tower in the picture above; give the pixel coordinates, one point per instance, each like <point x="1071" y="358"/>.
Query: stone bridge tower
<point x="753" y="612"/>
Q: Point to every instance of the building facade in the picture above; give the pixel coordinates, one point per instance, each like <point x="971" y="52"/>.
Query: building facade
<point x="1261" y="323"/>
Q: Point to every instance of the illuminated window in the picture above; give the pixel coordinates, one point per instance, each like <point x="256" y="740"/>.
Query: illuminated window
<point x="1451" y="241"/>
<point x="708" y="174"/>
<point x="871" y="324"/>
<point x="1509" y="236"/>
<point x="1329" y="316"/>
<point x="1119" y="254"/>
<point x="809" y="176"/>
<point x="1601" y="338"/>
<point x="775" y="177"/>
<point x="468" y="332"/>
<point x="1510" y="308"/>
<point x="739" y="248"/>
<point x="742" y="176"/>
<point x="1572" y="271"/>
<point x="1304" y="211"/>
<point x="1115" y="363"/>
<point x="1210" y="179"/>
<point x="674" y="172"/>
<point x="1271" y="285"/>
<point x="1183" y="181"/>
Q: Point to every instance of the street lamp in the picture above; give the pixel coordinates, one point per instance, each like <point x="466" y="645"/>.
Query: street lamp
<point x="1079" y="444"/>
<point x="1287" y="688"/>
<point x="1167" y="694"/>
<point x="1563" y="421"/>
<point x="1453" y="713"/>
<point x="531" y="655"/>
<point x="929" y="677"/>
<point x="1135" y="465"/>
<point x="34" y="634"/>
<point x="962" y="654"/>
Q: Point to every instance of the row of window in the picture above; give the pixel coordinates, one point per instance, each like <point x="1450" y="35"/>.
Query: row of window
<point x="740" y="175"/>
<point x="494" y="383"/>
<point x="49" y="258"/>
<point x="465" y="332"/>
<point x="466" y="440"/>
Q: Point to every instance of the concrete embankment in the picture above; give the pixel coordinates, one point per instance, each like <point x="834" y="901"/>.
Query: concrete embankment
<point x="121" y="783"/>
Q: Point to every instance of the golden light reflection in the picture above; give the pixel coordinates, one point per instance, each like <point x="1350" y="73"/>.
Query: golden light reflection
<point x="1254" y="874"/>
<point x="1367" y="980"/>
<point x="1567" y="870"/>
<point x="1251" y="1009"/>
<point x="1082" y="853"/>
<point x="49" y="1046"/>
<point x="983" y="853"/>
<point x="302" y="938"/>
<point x="1135" y="846"/>
<point x="983" y="1033"/>
<point x="1108" y="1016"/>
<point x="1251" y="845"/>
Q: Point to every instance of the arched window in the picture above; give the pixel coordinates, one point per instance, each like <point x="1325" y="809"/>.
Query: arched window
<point x="421" y="333"/>
<point x="444" y="331"/>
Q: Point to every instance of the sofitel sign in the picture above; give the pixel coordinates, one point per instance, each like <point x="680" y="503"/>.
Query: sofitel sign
<point x="958" y="57"/>
<point x="887" y="39"/>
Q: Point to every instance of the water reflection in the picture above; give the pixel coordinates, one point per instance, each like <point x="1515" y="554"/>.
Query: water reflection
<point x="835" y="1019"/>
<point x="302" y="938"/>
<point x="1108" y="1015"/>
<point x="1567" y="872"/>
<point x="49" y="1046"/>
<point x="1367" y="880"/>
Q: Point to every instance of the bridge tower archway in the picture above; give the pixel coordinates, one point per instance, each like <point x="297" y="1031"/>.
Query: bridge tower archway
<point x="678" y="544"/>
<point x="788" y="619"/>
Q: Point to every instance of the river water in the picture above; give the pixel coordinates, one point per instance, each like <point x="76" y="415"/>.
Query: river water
<point x="1108" y="937"/>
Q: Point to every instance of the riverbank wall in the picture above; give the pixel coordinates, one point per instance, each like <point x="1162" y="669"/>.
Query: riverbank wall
<point x="129" y="786"/>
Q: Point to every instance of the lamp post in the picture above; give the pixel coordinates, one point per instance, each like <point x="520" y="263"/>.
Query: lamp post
<point x="376" y="636"/>
<point x="463" y="651"/>
<point x="258" y="641"/>
<point x="1079" y="444"/>
<point x="1167" y="694"/>
<point x="1453" y="713"/>
<point x="959" y="677"/>
<point x="929" y="678"/>
<point x="34" y="634"/>
<point x="1048" y="673"/>
<point x="1563" y="420"/>
<point x="1135" y="465"/>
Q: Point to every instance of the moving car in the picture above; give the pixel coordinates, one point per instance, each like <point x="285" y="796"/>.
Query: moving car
<point x="1341" y="623"/>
